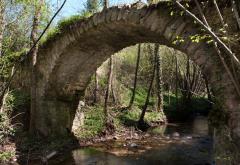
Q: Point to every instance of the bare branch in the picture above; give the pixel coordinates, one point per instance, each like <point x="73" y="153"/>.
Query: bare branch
<point x="235" y="10"/>
<point x="218" y="51"/>
<point x="214" y="36"/>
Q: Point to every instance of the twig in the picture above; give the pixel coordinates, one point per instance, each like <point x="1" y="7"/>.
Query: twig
<point x="235" y="10"/>
<point x="217" y="49"/>
<point x="218" y="11"/>
<point x="214" y="36"/>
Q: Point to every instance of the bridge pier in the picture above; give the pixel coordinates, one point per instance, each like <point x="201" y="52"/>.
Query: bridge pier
<point x="226" y="147"/>
<point x="55" y="117"/>
<point x="227" y="132"/>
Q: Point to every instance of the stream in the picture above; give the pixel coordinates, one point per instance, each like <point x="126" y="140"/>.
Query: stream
<point x="172" y="144"/>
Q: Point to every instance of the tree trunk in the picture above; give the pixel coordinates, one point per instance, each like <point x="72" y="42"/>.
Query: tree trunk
<point x="34" y="38"/>
<point x="112" y="89"/>
<point x="135" y="78"/>
<point x="206" y="25"/>
<point x="159" y="79"/>
<point x="141" y="119"/>
<point x="236" y="12"/>
<point x="188" y="81"/>
<point x="2" y="23"/>
<point x="213" y="35"/>
<point x="219" y="12"/>
<point x="2" y="27"/>
<point x="114" y="97"/>
<point x="95" y="100"/>
<point x="106" y="115"/>
<point x="106" y="4"/>
<point x="207" y="87"/>
<point x="176" y="83"/>
<point x="109" y="127"/>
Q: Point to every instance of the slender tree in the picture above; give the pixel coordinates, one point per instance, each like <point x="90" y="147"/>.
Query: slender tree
<point x="135" y="77"/>
<point x="207" y="87"/>
<point x="108" y="124"/>
<point x="93" y="6"/>
<point x="106" y="113"/>
<point x="216" y="43"/>
<point x="218" y="11"/>
<point x="221" y="44"/>
<point x="176" y="81"/>
<point x="2" y="23"/>
<point x="106" y="4"/>
<point x="114" y="97"/>
<point x="2" y="27"/>
<point x="159" y="79"/>
<point x="190" y="81"/>
<point x="34" y="38"/>
<point x="141" y="119"/>
<point x="29" y="53"/>
<point x="95" y="99"/>
<point x="236" y="11"/>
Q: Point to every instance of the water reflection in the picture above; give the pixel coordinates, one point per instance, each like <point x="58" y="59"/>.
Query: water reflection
<point x="200" y="126"/>
<point x="161" y="148"/>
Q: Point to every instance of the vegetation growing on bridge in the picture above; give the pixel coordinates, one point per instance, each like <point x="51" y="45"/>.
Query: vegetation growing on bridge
<point x="63" y="26"/>
<point x="139" y="87"/>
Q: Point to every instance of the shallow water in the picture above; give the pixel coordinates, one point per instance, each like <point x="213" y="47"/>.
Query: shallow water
<point x="174" y="144"/>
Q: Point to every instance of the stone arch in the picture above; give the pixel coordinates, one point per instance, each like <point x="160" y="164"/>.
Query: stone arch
<point x="66" y="62"/>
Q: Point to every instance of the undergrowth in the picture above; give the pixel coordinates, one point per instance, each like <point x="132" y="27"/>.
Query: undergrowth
<point x="94" y="121"/>
<point x="13" y="101"/>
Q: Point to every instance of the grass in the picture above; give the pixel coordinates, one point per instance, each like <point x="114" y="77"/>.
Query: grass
<point x="93" y="123"/>
<point x="140" y="97"/>
<point x="63" y="26"/>
<point x="130" y="117"/>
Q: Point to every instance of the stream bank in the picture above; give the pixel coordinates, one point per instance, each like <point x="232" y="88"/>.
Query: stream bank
<point x="172" y="144"/>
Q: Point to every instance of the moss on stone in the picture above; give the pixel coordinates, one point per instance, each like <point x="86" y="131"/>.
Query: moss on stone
<point x="218" y="116"/>
<point x="62" y="27"/>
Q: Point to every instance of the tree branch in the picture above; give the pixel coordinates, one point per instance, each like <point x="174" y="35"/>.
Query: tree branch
<point x="17" y="64"/>
<point x="214" y="36"/>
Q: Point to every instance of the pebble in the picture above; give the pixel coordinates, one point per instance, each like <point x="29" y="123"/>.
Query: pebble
<point x="175" y="134"/>
<point x="133" y="145"/>
<point x="167" y="137"/>
<point x="115" y="137"/>
<point x="147" y="135"/>
<point x="187" y="137"/>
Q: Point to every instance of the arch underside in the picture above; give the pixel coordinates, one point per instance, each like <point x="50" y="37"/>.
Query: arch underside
<point x="74" y="57"/>
<point x="66" y="63"/>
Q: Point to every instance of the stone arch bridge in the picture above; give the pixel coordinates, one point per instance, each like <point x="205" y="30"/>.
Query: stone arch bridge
<point x="67" y="61"/>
